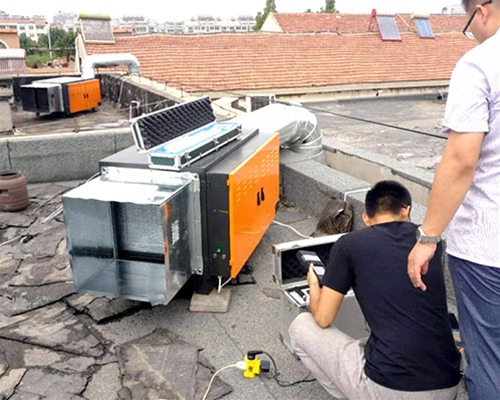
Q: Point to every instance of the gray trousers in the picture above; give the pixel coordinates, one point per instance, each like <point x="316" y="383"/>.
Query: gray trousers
<point x="337" y="361"/>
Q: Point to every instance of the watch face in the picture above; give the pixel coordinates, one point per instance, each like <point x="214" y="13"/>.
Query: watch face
<point x="419" y="233"/>
<point x="422" y="238"/>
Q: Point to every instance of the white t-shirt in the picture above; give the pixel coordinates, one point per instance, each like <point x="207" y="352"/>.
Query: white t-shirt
<point x="474" y="106"/>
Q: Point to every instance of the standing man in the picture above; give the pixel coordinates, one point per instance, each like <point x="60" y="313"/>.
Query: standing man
<point x="466" y="195"/>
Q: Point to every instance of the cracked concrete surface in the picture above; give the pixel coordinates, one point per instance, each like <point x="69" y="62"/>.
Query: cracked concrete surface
<point x="49" y="347"/>
<point x="58" y="344"/>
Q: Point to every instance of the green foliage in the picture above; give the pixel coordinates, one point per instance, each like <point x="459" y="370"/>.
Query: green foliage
<point x="56" y="34"/>
<point x="329" y="7"/>
<point x="65" y="45"/>
<point x="37" y="60"/>
<point x="261" y="16"/>
<point x="26" y="43"/>
<point x="43" y="41"/>
<point x="62" y="44"/>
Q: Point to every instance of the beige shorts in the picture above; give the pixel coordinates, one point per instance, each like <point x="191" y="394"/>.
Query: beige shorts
<point x="337" y="361"/>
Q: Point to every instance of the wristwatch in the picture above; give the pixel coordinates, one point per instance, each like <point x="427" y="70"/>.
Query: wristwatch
<point x="423" y="238"/>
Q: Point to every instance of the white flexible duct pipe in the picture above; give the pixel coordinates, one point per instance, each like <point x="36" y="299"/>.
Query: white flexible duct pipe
<point x="109" y="60"/>
<point x="298" y="127"/>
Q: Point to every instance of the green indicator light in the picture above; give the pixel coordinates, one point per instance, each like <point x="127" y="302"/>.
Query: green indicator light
<point x="218" y="250"/>
<point x="224" y="257"/>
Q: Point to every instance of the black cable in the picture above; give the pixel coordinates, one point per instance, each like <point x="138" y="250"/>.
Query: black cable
<point x="368" y="121"/>
<point x="276" y="374"/>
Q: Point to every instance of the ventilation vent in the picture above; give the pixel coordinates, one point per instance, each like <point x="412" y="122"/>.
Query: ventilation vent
<point x="256" y="101"/>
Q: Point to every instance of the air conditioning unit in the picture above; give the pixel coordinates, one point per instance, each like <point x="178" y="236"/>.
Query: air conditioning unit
<point x="256" y="101"/>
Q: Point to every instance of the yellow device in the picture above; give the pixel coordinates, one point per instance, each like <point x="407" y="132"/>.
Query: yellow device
<point x="254" y="366"/>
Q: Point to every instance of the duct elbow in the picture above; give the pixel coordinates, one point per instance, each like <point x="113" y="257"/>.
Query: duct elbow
<point x="109" y="60"/>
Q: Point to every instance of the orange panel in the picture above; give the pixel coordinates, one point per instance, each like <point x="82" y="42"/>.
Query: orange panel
<point x="253" y="194"/>
<point x="84" y="95"/>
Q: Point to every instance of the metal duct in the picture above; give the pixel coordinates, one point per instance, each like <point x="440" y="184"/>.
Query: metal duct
<point x="109" y="60"/>
<point x="298" y="127"/>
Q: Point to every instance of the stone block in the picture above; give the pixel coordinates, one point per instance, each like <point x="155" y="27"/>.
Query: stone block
<point x="214" y="302"/>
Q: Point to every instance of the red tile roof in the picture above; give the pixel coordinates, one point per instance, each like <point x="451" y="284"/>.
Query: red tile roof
<point x="359" y="23"/>
<point x="123" y="31"/>
<point x="271" y="61"/>
<point x="37" y="21"/>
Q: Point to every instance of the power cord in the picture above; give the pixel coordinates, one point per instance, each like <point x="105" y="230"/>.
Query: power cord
<point x="239" y="364"/>
<point x="252" y="367"/>
<point x="292" y="228"/>
<point x="276" y="374"/>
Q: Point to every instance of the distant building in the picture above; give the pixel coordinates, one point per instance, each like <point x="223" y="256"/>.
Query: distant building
<point x="138" y="23"/>
<point x="209" y="24"/>
<point x="197" y="25"/>
<point x="454" y="9"/>
<point x="66" y="21"/>
<point x="9" y="38"/>
<point x="33" y="26"/>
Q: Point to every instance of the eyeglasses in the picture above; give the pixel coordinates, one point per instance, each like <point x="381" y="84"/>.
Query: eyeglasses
<point x="468" y="34"/>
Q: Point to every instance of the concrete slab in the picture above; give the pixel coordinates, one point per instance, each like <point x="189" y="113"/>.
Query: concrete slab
<point x="213" y="302"/>
<point x="19" y="300"/>
<point x="105" y="383"/>
<point x="39" y="272"/>
<point x="51" y="385"/>
<point x="9" y="382"/>
<point x="4" y="155"/>
<point x="57" y="328"/>
<point x="123" y="139"/>
<point x="60" y="157"/>
<point x="18" y="220"/>
<point x="102" y="308"/>
<point x="160" y="365"/>
<point x="8" y="266"/>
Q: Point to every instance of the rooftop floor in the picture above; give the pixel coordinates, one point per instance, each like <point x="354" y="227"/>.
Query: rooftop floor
<point x="105" y="116"/>
<point x="56" y="344"/>
<point x="418" y="113"/>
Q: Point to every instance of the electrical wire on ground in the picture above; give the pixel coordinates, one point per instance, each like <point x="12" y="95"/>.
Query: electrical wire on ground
<point x="277" y="373"/>
<point x="292" y="228"/>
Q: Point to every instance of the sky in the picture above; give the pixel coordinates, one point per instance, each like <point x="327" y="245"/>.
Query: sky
<point x="172" y="10"/>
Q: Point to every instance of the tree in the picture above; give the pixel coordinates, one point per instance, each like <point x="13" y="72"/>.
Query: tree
<point x="65" y="46"/>
<point x="261" y="16"/>
<point x="329" y="7"/>
<point x="26" y="43"/>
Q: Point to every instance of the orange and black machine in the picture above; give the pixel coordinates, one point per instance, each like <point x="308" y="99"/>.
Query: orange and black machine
<point x="68" y="95"/>
<point x="191" y="200"/>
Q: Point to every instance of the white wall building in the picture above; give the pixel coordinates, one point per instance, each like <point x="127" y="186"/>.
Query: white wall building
<point x="33" y="27"/>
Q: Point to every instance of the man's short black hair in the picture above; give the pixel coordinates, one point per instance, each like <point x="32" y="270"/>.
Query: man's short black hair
<point x="466" y="4"/>
<point x="387" y="197"/>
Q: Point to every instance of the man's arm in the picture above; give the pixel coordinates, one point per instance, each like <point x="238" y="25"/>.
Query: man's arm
<point x="324" y="303"/>
<point x="451" y="183"/>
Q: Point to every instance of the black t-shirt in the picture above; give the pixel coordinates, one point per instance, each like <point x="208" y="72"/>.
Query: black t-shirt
<point x="411" y="347"/>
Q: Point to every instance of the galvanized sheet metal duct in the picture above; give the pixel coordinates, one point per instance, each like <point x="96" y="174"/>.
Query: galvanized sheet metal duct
<point x="109" y="60"/>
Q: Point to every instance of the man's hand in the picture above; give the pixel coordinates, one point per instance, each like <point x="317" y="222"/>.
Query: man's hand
<point x="312" y="279"/>
<point x="418" y="263"/>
